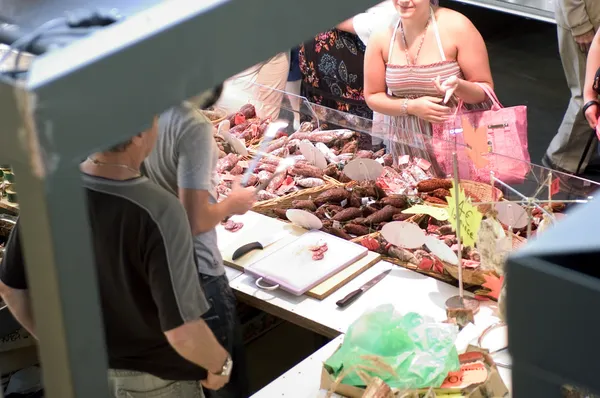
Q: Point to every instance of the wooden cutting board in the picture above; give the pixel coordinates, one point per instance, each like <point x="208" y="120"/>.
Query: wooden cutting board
<point x="294" y="269"/>
<point x="256" y="226"/>
<point x="338" y="280"/>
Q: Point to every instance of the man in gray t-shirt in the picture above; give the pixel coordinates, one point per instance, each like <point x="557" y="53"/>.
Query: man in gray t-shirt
<point x="184" y="163"/>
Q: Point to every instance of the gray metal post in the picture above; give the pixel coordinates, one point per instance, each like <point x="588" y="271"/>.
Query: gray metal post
<point x="60" y="268"/>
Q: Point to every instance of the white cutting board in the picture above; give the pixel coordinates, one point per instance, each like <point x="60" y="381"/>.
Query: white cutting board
<point x="293" y="269"/>
<point x="256" y="226"/>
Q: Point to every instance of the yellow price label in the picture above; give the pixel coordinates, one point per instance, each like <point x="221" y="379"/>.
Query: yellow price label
<point x="470" y="217"/>
<point x="439" y="213"/>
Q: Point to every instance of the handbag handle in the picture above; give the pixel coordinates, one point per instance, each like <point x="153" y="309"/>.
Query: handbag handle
<point x="496" y="105"/>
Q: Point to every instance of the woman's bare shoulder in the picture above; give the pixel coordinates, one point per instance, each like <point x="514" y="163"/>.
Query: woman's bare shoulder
<point x="453" y="21"/>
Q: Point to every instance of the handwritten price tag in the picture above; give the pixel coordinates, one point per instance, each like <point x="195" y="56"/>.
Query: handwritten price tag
<point x="439" y="213"/>
<point x="470" y="217"/>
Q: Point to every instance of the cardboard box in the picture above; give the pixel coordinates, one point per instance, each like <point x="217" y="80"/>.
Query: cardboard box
<point x="21" y="358"/>
<point x="493" y="386"/>
<point x="15" y="340"/>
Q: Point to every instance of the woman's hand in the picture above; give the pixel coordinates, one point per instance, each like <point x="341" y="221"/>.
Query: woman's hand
<point x="429" y="109"/>
<point x="447" y="87"/>
<point x="591" y="114"/>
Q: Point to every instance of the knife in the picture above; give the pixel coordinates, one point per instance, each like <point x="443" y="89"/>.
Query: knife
<point x="258" y="245"/>
<point x="356" y="294"/>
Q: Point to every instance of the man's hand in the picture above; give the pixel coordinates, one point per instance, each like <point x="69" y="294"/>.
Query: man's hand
<point x="584" y="41"/>
<point x="214" y="382"/>
<point x="241" y="199"/>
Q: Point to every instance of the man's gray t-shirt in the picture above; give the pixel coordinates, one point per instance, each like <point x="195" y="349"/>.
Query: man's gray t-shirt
<point x="185" y="156"/>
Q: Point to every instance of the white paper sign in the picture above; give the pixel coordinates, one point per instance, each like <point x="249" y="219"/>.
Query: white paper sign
<point x="363" y="169"/>
<point x="441" y="250"/>
<point x="303" y="219"/>
<point x="511" y="214"/>
<point x="404" y="234"/>
<point x="236" y="144"/>
<point x="312" y="154"/>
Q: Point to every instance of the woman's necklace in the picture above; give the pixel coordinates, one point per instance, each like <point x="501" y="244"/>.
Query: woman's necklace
<point x="123" y="166"/>
<point x="408" y="62"/>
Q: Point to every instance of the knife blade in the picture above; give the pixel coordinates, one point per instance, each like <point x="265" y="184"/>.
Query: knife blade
<point x="352" y="296"/>
<point x="257" y="245"/>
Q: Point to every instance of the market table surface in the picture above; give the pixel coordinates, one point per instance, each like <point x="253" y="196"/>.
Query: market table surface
<point x="406" y="290"/>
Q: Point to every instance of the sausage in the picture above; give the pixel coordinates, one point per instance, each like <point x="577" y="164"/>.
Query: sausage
<point x="335" y="195"/>
<point x="431" y="199"/>
<point x="252" y="180"/>
<point x="306" y="170"/>
<point x="227" y="163"/>
<point x="237" y="170"/>
<point x="355" y="229"/>
<point x="248" y="111"/>
<point x="338" y="232"/>
<point x="266" y="167"/>
<point x="347" y="214"/>
<point x="350" y="147"/>
<point x="304" y="205"/>
<point x="440" y="193"/>
<point x="276" y="144"/>
<point x="362" y="154"/>
<point x="398" y="201"/>
<point x="281" y="213"/>
<point x="368" y="210"/>
<point x="383" y="215"/>
<point x="403" y="255"/>
<point x="433" y="184"/>
<point x="310" y="182"/>
<point x="354" y="200"/>
<point x="401" y="217"/>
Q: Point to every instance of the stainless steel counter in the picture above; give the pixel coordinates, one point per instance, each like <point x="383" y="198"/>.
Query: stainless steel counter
<point x="541" y="10"/>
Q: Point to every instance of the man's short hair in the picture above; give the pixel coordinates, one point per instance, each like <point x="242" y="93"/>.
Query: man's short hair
<point x="120" y="147"/>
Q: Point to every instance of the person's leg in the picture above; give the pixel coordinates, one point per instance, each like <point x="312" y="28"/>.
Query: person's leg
<point x="566" y="149"/>
<point x="272" y="79"/>
<point x="131" y="384"/>
<point x="223" y="321"/>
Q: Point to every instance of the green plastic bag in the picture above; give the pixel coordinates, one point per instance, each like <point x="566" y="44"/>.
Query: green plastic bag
<point x="406" y="352"/>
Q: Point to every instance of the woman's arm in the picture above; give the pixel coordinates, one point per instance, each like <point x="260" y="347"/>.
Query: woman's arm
<point x="593" y="63"/>
<point x="347" y="26"/>
<point x="472" y="57"/>
<point x="375" y="87"/>
<point x="589" y="94"/>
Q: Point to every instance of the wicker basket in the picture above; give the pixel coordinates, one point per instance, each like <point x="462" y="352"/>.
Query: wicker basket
<point x="480" y="192"/>
<point x="285" y="202"/>
<point x="442" y="277"/>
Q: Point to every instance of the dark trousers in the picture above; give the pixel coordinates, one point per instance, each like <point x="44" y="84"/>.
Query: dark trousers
<point x="224" y="323"/>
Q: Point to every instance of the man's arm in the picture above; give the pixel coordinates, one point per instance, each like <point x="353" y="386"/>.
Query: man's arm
<point x="195" y="172"/>
<point x="576" y="16"/>
<point x="195" y="342"/>
<point x="175" y="287"/>
<point x="19" y="304"/>
<point x="13" y="282"/>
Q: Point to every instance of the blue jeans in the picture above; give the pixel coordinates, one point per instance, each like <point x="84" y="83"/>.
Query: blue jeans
<point x="132" y="384"/>
<point x="224" y="323"/>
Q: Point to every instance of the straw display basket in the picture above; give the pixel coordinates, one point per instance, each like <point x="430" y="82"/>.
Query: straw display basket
<point x="285" y="202"/>
<point x="412" y="267"/>
<point x="480" y="192"/>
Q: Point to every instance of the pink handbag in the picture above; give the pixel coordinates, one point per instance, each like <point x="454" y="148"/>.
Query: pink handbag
<point x="506" y="129"/>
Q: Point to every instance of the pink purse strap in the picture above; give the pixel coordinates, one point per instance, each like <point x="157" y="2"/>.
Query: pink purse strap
<point x="490" y="94"/>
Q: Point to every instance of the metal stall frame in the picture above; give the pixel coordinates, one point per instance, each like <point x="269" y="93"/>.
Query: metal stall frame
<point x="100" y="91"/>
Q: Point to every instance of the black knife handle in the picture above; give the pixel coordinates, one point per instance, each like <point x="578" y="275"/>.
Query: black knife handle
<point x="349" y="298"/>
<point x="247" y="248"/>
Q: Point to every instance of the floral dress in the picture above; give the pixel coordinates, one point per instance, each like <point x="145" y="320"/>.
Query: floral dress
<point x="332" y="66"/>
